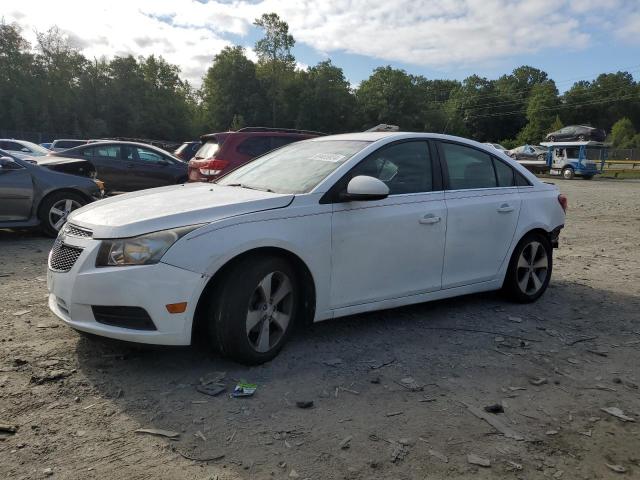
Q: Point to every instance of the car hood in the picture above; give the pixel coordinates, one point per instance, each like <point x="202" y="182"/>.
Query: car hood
<point x="174" y="206"/>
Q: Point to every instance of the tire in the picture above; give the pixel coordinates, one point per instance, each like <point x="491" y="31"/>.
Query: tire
<point x="581" y="138"/>
<point x="568" y="173"/>
<point x="55" y="209"/>
<point x="541" y="158"/>
<point x="240" y="314"/>
<point x="528" y="277"/>
<point x="552" y="138"/>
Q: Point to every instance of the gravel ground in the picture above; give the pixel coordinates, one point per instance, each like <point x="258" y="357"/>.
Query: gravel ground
<point x="551" y="366"/>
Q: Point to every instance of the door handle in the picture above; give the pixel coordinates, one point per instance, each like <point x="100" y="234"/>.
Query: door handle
<point x="429" y="219"/>
<point x="130" y="165"/>
<point x="505" y="208"/>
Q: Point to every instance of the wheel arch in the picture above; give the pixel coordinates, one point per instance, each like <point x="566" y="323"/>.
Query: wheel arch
<point x="55" y="191"/>
<point x="308" y="304"/>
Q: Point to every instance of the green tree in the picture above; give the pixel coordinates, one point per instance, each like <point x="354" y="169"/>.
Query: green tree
<point x="541" y="112"/>
<point x="390" y="96"/>
<point x="556" y="125"/>
<point x="275" y="61"/>
<point x="230" y="88"/>
<point x="622" y="133"/>
<point x="325" y="102"/>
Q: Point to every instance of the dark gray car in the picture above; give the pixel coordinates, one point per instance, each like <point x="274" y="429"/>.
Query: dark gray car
<point x="43" y="194"/>
<point x="129" y="166"/>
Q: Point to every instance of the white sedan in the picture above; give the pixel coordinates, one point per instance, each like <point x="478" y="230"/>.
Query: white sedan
<point x="318" y="229"/>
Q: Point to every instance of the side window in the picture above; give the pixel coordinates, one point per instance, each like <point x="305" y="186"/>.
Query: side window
<point x="467" y="167"/>
<point x="255" y="146"/>
<point x="87" y="152"/>
<point x="403" y="167"/>
<point x="504" y="173"/>
<point x="13" y="146"/>
<point x="521" y="181"/>
<point x="149" y="156"/>
<point x="107" y="151"/>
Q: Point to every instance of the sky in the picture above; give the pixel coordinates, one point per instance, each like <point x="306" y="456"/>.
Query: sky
<point x="569" y="39"/>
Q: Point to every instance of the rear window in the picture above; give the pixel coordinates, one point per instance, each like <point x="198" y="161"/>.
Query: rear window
<point x="255" y="146"/>
<point x="207" y="150"/>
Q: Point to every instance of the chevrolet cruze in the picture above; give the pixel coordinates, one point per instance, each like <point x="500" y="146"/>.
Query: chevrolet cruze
<point x="323" y="228"/>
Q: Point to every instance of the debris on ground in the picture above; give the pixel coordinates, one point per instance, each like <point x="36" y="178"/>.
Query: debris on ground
<point x="19" y="313"/>
<point x="410" y="384"/>
<point x="399" y="452"/>
<point x="616" y="468"/>
<point x="200" y="435"/>
<point x="50" y="376"/>
<point x="211" y="390"/>
<point x="5" y="428"/>
<point x="333" y="362"/>
<point x="159" y="432"/>
<point x="551" y="432"/>
<point x="244" y="390"/>
<point x="382" y="364"/>
<point x="440" y="456"/>
<point x="393" y="414"/>
<point x="514" y="319"/>
<point x="495" y="408"/>
<point x="616" y="412"/>
<point x="474" y="459"/>
<point x="537" y="381"/>
<point x="304" y="403"/>
<point x="495" y="422"/>
<point x="294" y="474"/>
<point x="214" y="377"/>
<point x="514" y="466"/>
<point x="346" y="442"/>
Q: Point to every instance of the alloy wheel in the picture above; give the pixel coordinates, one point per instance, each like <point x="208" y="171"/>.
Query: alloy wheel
<point x="533" y="268"/>
<point x="269" y="312"/>
<point x="60" y="211"/>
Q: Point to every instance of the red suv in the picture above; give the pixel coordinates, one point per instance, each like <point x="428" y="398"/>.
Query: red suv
<point x="222" y="152"/>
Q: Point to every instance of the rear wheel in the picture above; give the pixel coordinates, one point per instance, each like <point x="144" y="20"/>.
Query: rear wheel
<point x="254" y="310"/>
<point x="552" y="138"/>
<point x="529" y="269"/>
<point x="55" y="209"/>
<point x="582" y="138"/>
<point x="568" y="173"/>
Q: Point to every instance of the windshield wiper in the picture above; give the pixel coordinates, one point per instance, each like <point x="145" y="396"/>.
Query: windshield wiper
<point x="243" y="185"/>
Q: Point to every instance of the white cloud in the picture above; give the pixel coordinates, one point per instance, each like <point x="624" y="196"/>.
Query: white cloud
<point x="436" y="33"/>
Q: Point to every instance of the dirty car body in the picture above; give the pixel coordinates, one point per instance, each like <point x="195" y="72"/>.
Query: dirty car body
<point x="355" y="223"/>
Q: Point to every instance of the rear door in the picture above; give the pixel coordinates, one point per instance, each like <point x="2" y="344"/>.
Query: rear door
<point x="110" y="168"/>
<point x="483" y="205"/>
<point x="16" y="192"/>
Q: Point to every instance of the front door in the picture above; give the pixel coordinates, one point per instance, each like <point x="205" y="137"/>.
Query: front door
<point x="483" y="206"/>
<point x="16" y="192"/>
<point x="393" y="247"/>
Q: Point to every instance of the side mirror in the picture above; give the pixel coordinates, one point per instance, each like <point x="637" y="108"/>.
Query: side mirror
<point x="363" y="188"/>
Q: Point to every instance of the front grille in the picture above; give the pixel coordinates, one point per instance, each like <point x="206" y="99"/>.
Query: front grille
<point x="63" y="257"/>
<point x="74" y="231"/>
<point x="135" y="318"/>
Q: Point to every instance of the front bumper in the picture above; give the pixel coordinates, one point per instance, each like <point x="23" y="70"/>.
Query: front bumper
<point x="73" y="293"/>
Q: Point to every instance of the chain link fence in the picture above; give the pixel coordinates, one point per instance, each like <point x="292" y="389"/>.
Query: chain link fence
<point x="624" y="154"/>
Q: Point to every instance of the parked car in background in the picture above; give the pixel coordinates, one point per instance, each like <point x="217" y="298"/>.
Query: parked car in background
<point x="44" y="194"/>
<point x="497" y="146"/>
<point x="532" y="157"/>
<point x="187" y="150"/>
<point x="65" y="144"/>
<point x="576" y="132"/>
<point x="318" y="229"/>
<point x="46" y="145"/>
<point x="22" y="148"/>
<point x="129" y="166"/>
<point x="222" y="152"/>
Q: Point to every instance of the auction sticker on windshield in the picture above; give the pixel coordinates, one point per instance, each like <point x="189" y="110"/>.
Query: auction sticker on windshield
<point x="328" y="157"/>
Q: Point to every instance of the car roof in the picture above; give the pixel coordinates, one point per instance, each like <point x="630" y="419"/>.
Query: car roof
<point x="391" y="136"/>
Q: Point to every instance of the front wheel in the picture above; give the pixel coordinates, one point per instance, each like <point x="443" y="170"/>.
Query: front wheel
<point x="529" y="270"/>
<point x="254" y="310"/>
<point x="55" y="209"/>
<point x="568" y="173"/>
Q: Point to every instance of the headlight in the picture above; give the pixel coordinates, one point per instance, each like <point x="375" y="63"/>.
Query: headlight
<point x="142" y="250"/>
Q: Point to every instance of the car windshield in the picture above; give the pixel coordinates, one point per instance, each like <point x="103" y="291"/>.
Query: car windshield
<point x="207" y="150"/>
<point x="36" y="150"/>
<point x="296" y="168"/>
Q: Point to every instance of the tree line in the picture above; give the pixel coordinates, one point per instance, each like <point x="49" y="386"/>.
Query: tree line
<point x="52" y="87"/>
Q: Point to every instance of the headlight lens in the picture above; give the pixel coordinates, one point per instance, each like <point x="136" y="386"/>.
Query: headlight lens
<point x="142" y="250"/>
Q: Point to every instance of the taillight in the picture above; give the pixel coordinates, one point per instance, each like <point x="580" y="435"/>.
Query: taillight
<point x="213" y="167"/>
<point x="564" y="203"/>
